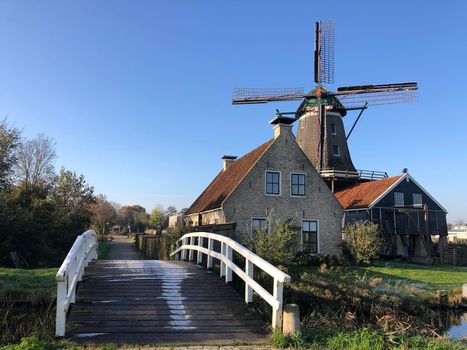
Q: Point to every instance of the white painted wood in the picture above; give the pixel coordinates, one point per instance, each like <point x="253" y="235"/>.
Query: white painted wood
<point x="190" y="254"/>
<point x="222" y="267"/>
<point x="84" y="250"/>
<point x="183" y="252"/>
<point x="278" y="290"/>
<point x="209" y="259"/>
<point x="227" y="266"/>
<point x="248" y="289"/>
<point x="199" y="256"/>
<point x="228" y="271"/>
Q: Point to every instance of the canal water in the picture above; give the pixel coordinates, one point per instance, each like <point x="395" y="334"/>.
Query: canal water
<point x="456" y="324"/>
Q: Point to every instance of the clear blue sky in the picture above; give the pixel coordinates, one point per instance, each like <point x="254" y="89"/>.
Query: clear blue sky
<point x="137" y="94"/>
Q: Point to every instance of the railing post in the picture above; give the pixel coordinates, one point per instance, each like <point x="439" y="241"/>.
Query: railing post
<point x="71" y="274"/>
<point x="199" y="255"/>
<point x="60" y="318"/>
<point x="277" y="313"/>
<point x="248" y="289"/>
<point x="190" y="254"/>
<point x="183" y="252"/>
<point x="210" y="248"/>
<point x="222" y="267"/>
<point x="228" y="271"/>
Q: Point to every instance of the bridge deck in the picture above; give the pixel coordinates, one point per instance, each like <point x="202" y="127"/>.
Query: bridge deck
<point x="148" y="301"/>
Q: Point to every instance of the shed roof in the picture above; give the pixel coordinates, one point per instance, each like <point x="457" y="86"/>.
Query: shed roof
<point x="227" y="180"/>
<point x="362" y="195"/>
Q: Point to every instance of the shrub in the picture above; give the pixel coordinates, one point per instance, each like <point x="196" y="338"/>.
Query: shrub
<point x="279" y="246"/>
<point x="308" y="259"/>
<point x="363" y="240"/>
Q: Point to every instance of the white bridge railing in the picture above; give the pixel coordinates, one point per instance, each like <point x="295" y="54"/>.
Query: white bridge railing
<point x="70" y="273"/>
<point x="227" y="265"/>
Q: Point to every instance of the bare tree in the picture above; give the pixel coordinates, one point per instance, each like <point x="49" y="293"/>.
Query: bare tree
<point x="35" y="160"/>
<point x="9" y="140"/>
<point x="103" y="214"/>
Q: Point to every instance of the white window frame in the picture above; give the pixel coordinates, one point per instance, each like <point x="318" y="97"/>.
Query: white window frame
<point x="338" y="154"/>
<point x="333" y="129"/>
<point x="417" y="200"/>
<point x="397" y="199"/>
<point x="318" y="248"/>
<point x="258" y="218"/>
<point x="297" y="195"/>
<point x="265" y="183"/>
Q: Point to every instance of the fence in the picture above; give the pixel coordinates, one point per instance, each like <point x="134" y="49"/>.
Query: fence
<point x="188" y="246"/>
<point x="84" y="250"/>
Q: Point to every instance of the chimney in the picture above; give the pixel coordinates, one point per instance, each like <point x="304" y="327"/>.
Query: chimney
<point x="282" y="126"/>
<point x="227" y="161"/>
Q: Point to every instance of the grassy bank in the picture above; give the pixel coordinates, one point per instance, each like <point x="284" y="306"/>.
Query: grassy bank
<point x="362" y="339"/>
<point x="387" y="297"/>
<point x="27" y="286"/>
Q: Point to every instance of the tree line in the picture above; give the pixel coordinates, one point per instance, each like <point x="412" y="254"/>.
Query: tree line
<point x="42" y="210"/>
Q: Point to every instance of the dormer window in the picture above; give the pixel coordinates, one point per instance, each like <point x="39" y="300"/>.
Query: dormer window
<point x="335" y="151"/>
<point x="273" y="183"/>
<point x="333" y="129"/>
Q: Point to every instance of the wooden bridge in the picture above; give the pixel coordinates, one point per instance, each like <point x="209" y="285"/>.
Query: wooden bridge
<point x="135" y="301"/>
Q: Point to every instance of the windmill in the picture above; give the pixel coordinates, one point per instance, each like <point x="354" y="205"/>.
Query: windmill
<point x="321" y="132"/>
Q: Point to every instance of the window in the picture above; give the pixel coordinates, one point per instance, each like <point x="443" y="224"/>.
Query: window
<point x="333" y="129"/>
<point x="297" y="185"/>
<point x="310" y="236"/>
<point x="273" y="183"/>
<point x="398" y="199"/>
<point x="259" y="224"/>
<point x="417" y="200"/>
<point x="335" y="151"/>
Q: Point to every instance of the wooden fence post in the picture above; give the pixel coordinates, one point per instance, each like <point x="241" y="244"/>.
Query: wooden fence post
<point x="60" y="318"/>
<point x="248" y="289"/>
<point x="210" y="248"/>
<point x="228" y="271"/>
<point x="277" y="313"/>
<point x="222" y="267"/>
<point x="199" y="255"/>
<point x="190" y="254"/>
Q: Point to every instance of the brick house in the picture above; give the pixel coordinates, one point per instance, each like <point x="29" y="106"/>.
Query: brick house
<point x="274" y="181"/>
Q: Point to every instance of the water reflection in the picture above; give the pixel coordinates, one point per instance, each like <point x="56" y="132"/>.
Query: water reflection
<point x="458" y="329"/>
<point x="451" y="322"/>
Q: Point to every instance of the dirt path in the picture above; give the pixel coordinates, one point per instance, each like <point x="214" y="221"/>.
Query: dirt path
<point x="121" y="248"/>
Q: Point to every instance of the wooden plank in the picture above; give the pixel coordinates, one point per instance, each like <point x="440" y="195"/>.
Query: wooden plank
<point x="143" y="301"/>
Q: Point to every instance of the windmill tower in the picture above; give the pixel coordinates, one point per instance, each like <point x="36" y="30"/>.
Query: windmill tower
<point x="321" y="132"/>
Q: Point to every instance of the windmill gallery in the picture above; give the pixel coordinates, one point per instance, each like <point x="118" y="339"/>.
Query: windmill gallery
<point x="311" y="179"/>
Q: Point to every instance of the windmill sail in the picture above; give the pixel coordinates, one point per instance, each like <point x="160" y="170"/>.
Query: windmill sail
<point x="373" y="95"/>
<point x="261" y="95"/>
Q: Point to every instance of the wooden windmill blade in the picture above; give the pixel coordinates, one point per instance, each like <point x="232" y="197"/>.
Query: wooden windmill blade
<point x="265" y="95"/>
<point x="324" y="52"/>
<point x="373" y="95"/>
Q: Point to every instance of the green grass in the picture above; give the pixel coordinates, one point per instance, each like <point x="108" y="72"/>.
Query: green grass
<point x="362" y="339"/>
<point x="24" y="285"/>
<point x="425" y="278"/>
<point x="433" y="277"/>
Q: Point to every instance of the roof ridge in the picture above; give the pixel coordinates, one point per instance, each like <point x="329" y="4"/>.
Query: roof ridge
<point x="227" y="180"/>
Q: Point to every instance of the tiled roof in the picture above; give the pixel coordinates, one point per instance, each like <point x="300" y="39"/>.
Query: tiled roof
<point x="363" y="194"/>
<point x="226" y="181"/>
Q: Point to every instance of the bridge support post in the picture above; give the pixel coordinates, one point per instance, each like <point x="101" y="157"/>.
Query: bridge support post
<point x="222" y="267"/>
<point x="190" y="254"/>
<point x="228" y="271"/>
<point x="60" y="318"/>
<point x="210" y="248"/>
<point x="183" y="252"/>
<point x="277" y="312"/>
<point x="248" y="289"/>
<point x="199" y="255"/>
